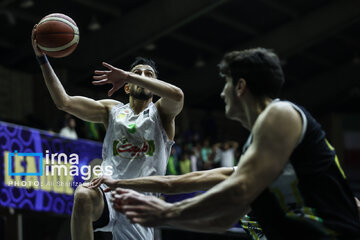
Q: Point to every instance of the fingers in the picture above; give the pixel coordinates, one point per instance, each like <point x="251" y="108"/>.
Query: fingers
<point x="86" y="184"/>
<point x="135" y="206"/>
<point x="138" y="209"/>
<point x="121" y="197"/>
<point x="112" y="91"/>
<point x="108" y="66"/>
<point x="107" y="189"/>
<point x="101" y="72"/>
<point x="33" y="32"/>
<point x="131" y="214"/>
<point x="141" y="221"/>
<point x="96" y="182"/>
<point x="125" y="199"/>
<point x="37" y="50"/>
<point x="91" y="184"/>
<point x="101" y="77"/>
<point x="35" y="46"/>
<point x="117" y="207"/>
<point x="100" y="82"/>
<point x="121" y="190"/>
<point x="123" y="204"/>
<point x="135" y="217"/>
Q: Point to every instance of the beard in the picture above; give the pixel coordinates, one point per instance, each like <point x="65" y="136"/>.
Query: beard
<point x="141" y="94"/>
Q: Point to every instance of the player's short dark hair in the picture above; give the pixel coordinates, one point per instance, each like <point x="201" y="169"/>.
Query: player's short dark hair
<point x="260" y="68"/>
<point x="145" y="61"/>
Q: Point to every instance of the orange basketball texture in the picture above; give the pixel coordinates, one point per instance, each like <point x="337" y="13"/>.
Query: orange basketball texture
<point x="57" y="35"/>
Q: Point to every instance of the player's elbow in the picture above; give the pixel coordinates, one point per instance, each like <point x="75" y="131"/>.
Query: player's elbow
<point x="63" y="104"/>
<point x="239" y="194"/>
<point x="223" y="229"/>
<point x="178" y="95"/>
<point x="221" y="225"/>
<point x="217" y="229"/>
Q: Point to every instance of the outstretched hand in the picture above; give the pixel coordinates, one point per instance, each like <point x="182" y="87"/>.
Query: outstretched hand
<point x="114" y="76"/>
<point x="148" y="211"/>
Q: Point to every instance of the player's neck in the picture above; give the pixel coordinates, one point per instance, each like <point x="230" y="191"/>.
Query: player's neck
<point x="253" y="109"/>
<point x="138" y="105"/>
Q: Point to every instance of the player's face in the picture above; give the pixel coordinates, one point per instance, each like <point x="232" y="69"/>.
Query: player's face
<point x="137" y="91"/>
<point x="228" y="94"/>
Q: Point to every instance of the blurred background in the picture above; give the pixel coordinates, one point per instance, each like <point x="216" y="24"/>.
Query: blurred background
<point x="318" y="43"/>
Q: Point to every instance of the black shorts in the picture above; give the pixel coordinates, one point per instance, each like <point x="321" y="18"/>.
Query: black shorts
<point x="105" y="216"/>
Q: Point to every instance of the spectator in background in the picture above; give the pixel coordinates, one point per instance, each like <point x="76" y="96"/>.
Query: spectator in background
<point x="216" y="155"/>
<point x="228" y="154"/>
<point x="205" y="154"/>
<point x="94" y="131"/>
<point x="178" y="146"/>
<point x="185" y="163"/>
<point x="196" y="161"/>
<point x="193" y="161"/>
<point x="173" y="164"/>
<point x="68" y="130"/>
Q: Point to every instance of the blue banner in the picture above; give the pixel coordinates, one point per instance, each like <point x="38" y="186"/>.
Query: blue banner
<point x="39" y="171"/>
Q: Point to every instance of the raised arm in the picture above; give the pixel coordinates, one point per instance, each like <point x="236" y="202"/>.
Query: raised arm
<point x="201" y="180"/>
<point x="81" y="107"/>
<point x="169" y="105"/>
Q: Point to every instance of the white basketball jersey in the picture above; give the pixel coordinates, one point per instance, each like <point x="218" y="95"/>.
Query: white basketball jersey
<point x="135" y="145"/>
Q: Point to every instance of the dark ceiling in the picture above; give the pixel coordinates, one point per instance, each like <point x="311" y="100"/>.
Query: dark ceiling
<point x="318" y="42"/>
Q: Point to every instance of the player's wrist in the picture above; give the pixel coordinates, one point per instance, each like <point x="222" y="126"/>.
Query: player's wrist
<point x="171" y="212"/>
<point x="129" y="77"/>
<point x="42" y="59"/>
<point x="118" y="183"/>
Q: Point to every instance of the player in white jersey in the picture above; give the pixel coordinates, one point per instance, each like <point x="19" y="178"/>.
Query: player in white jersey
<point x="138" y="140"/>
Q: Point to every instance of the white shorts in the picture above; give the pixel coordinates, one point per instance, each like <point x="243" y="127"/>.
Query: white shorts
<point x="118" y="224"/>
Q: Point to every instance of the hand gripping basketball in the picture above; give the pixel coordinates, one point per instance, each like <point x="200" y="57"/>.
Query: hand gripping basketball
<point x="37" y="50"/>
<point x="57" y="35"/>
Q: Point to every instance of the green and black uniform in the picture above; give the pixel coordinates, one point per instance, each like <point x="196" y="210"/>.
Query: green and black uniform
<point x="311" y="198"/>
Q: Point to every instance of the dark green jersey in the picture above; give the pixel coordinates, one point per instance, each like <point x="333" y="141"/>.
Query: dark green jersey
<point x="311" y="198"/>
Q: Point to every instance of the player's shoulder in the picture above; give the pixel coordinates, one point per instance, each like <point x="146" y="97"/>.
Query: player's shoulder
<point x="280" y="109"/>
<point x="279" y="114"/>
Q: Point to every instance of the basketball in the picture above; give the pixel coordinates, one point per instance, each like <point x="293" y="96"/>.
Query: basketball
<point x="57" y="35"/>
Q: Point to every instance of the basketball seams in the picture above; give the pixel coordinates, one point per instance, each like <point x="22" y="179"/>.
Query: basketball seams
<point x="42" y="34"/>
<point x="61" y="15"/>
<point x="74" y="27"/>
<point x="58" y="35"/>
<point x="55" y="49"/>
